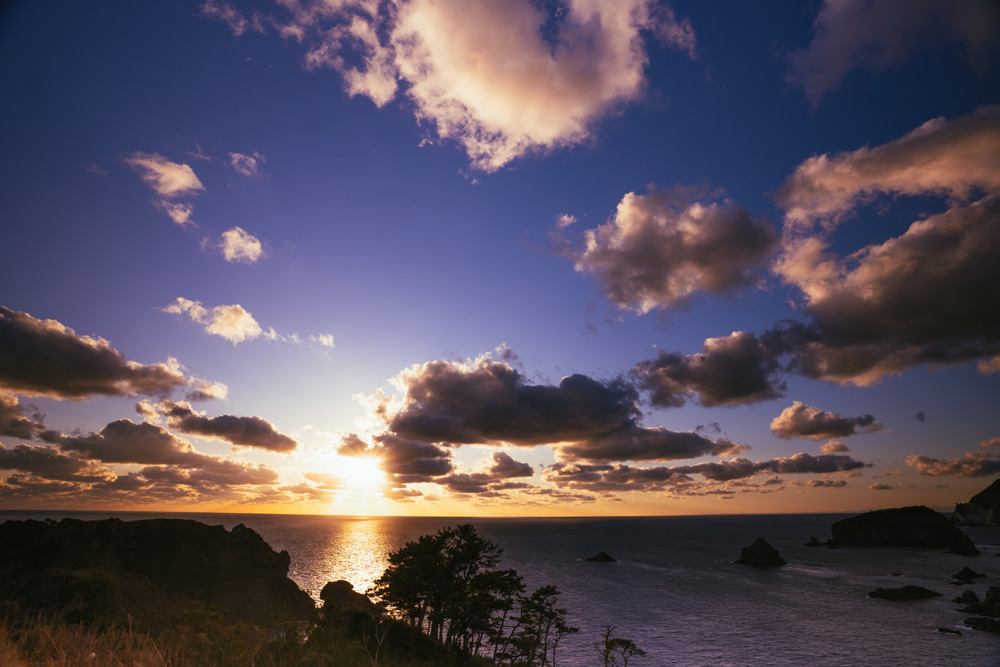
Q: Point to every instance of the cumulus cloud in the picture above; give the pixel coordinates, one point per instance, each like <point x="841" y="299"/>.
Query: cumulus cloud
<point x="238" y="245"/>
<point x="951" y="158"/>
<point x="492" y="480"/>
<point x="484" y="401"/>
<point x="992" y="442"/>
<point x="13" y="421"/>
<point x="231" y="322"/>
<point x="973" y="464"/>
<point x="805" y="421"/>
<point x="879" y="486"/>
<point x="925" y="296"/>
<point x="503" y="78"/>
<point x="406" y="461"/>
<point x="729" y="371"/>
<point x="247" y="165"/>
<point x="49" y="463"/>
<point x="883" y="34"/>
<point x="248" y="432"/>
<point x="47" y="358"/>
<point x="660" y="249"/>
<point x="833" y="447"/>
<point x="124" y="441"/>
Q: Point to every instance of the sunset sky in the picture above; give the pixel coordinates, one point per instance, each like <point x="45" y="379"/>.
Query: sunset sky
<point x="504" y="257"/>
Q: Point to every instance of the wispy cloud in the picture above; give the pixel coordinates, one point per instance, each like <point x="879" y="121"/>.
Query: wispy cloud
<point x="882" y="34"/>
<point x="235" y="324"/>
<point x="247" y="165"/>
<point x="169" y="180"/>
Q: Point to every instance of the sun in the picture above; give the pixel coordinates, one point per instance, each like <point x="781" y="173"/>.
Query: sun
<point x="361" y="473"/>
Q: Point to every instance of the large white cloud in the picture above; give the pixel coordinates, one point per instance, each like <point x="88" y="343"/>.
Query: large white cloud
<point x="239" y="245"/>
<point x="500" y="77"/>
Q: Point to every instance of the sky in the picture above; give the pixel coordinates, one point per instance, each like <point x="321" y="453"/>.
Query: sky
<point x="499" y="258"/>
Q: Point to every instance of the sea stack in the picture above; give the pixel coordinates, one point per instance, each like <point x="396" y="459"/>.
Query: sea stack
<point x="602" y="557"/>
<point x="916" y="526"/>
<point x="760" y="554"/>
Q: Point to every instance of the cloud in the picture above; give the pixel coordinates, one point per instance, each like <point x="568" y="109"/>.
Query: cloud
<point x="883" y="34"/>
<point x="504" y="466"/>
<point x="992" y="442"/>
<point x="247" y="165"/>
<point x="124" y="441"/>
<point x="166" y="178"/>
<point x="228" y="14"/>
<point x="660" y="249"/>
<point x="921" y="417"/>
<point x="249" y="432"/>
<point x="922" y="297"/>
<point x="405" y="461"/>
<point x="821" y="483"/>
<point x="950" y="158"/>
<point x="484" y="401"/>
<point x="833" y="447"/>
<point x="731" y="371"/>
<point x="49" y="463"/>
<point x="47" y="358"/>
<point x="503" y="78"/>
<point x="13" y="423"/>
<point x="974" y="464"/>
<point x="620" y="478"/>
<point x="805" y="421"/>
<point x="231" y="322"/>
<point x="326" y="340"/>
<point x="239" y="245"/>
<point x="635" y="443"/>
<point x="179" y="212"/>
<point x="879" y="486"/>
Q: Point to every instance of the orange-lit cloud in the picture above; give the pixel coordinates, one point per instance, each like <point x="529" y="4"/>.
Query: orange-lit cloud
<point x="238" y="245"/>
<point x="805" y="421"/>
<point x="973" y="464"/>
<point x="241" y="432"/>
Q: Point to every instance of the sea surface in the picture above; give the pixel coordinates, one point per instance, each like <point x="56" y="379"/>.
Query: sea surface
<point x="675" y="590"/>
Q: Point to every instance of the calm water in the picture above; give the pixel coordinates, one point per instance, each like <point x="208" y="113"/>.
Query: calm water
<point x="675" y="590"/>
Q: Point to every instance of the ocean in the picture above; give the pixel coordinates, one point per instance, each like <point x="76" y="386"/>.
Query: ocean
<point x="675" y="590"/>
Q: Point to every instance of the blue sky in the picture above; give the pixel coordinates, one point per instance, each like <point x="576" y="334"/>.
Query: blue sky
<point x="335" y="210"/>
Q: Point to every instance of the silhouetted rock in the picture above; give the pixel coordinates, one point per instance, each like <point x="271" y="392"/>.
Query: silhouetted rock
<point x="760" y="554"/>
<point x="967" y="598"/>
<point x="903" y="593"/>
<point x="964" y="546"/>
<point x="986" y="624"/>
<point x="601" y="557"/>
<point x="831" y="544"/>
<point x="983" y="509"/>
<point x="989" y="606"/>
<point x="916" y="526"/>
<point x="949" y="631"/>
<point x="342" y="594"/>
<point x="813" y="542"/>
<point x="46" y="565"/>
<point x="967" y="575"/>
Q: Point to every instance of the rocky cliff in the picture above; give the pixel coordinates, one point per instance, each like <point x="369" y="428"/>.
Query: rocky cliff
<point x="983" y="509"/>
<point x="47" y="566"/>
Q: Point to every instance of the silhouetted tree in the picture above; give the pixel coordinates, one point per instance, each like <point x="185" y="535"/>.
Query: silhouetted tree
<point x="615" y="649"/>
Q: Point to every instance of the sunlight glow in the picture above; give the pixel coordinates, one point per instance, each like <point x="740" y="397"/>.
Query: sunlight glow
<point x="361" y="473"/>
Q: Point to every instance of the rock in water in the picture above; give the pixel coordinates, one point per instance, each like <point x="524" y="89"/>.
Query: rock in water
<point x="916" y="526"/>
<point x="903" y="593"/>
<point x="44" y="563"/>
<point x="760" y="554"/>
<point x="964" y="547"/>
<point x="602" y="557"/>
<point x="813" y="542"/>
<point x="967" y="574"/>
<point x="983" y="509"/>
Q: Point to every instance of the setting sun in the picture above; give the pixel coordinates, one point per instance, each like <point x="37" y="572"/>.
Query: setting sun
<point x="360" y="474"/>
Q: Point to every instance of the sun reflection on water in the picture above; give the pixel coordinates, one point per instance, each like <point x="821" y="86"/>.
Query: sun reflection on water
<point x="357" y="553"/>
